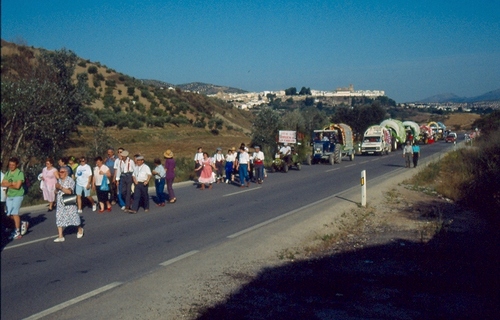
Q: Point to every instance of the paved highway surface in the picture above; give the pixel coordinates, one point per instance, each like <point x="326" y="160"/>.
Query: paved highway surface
<point x="38" y="274"/>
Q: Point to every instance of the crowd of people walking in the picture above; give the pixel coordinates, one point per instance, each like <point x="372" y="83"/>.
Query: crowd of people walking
<point x="117" y="179"/>
<point x="120" y="179"/>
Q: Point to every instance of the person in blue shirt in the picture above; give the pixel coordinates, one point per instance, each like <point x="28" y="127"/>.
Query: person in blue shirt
<point x="416" y="154"/>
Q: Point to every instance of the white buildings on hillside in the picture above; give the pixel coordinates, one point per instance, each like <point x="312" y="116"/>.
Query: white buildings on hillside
<point x="251" y="99"/>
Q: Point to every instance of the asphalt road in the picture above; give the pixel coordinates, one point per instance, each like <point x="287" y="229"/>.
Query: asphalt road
<point x="38" y="274"/>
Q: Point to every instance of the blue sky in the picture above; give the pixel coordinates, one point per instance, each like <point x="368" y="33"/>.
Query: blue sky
<point x="410" y="49"/>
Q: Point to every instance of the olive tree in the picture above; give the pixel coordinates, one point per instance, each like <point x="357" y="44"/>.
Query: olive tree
<point x="41" y="106"/>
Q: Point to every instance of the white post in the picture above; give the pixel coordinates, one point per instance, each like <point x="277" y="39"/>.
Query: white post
<point x="363" y="188"/>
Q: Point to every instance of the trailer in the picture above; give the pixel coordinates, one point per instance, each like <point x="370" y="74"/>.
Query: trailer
<point x="397" y="131"/>
<point x="412" y="131"/>
<point x="331" y="143"/>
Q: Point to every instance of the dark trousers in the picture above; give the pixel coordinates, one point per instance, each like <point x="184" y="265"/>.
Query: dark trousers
<point x="415" y="159"/>
<point x="140" y="195"/>
<point x="170" y="189"/>
<point x="259" y="171"/>
<point x="126" y="189"/>
<point x="159" y="187"/>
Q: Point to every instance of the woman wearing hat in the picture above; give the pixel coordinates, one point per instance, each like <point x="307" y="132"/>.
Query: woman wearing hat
<point x="170" y="174"/>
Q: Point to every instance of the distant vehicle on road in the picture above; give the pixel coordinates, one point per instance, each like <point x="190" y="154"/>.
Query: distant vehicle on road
<point x="451" y="137"/>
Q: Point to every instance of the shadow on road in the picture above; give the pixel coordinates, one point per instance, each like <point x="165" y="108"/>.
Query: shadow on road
<point x="453" y="276"/>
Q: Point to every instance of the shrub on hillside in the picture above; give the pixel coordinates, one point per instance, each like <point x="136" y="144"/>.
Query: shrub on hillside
<point x="92" y="70"/>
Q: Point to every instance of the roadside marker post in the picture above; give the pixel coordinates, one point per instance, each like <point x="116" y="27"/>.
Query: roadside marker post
<point x="363" y="188"/>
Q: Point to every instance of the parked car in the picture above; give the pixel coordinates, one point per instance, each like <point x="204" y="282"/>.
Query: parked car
<point x="451" y="137"/>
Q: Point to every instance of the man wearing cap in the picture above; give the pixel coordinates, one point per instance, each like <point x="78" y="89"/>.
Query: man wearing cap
<point x="124" y="178"/>
<point x="243" y="165"/>
<point x="258" y="163"/>
<point x="141" y="176"/>
<point x="219" y="164"/>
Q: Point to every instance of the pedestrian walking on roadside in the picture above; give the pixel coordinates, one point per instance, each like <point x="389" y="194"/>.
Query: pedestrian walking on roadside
<point x="170" y="174"/>
<point x="124" y="179"/>
<point x="159" y="175"/>
<point x="230" y="157"/>
<point x="49" y="178"/>
<point x="84" y="184"/>
<point x="198" y="160"/>
<point x="258" y="163"/>
<point x="66" y="214"/>
<point x="243" y="165"/>
<point x="408" y="153"/>
<point x="206" y="175"/>
<point x="101" y="184"/>
<point x="416" y="154"/>
<point x="110" y="163"/>
<point x="13" y="180"/>
<point x="142" y="175"/>
<point x="219" y="164"/>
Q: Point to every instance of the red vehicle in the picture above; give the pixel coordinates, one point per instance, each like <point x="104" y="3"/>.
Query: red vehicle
<point x="451" y="137"/>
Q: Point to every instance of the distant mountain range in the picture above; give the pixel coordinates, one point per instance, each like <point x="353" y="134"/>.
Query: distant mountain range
<point x="450" y="97"/>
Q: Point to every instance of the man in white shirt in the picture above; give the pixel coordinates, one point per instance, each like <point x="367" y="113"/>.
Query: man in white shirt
<point x="243" y="166"/>
<point x="408" y="153"/>
<point x="124" y="178"/>
<point x="258" y="164"/>
<point x="286" y="152"/>
<point x="198" y="161"/>
<point x="141" y="176"/>
<point x="84" y="184"/>
<point x="116" y="182"/>
<point x="219" y="164"/>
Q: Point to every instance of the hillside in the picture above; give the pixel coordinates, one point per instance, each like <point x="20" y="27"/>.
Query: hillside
<point x="120" y="101"/>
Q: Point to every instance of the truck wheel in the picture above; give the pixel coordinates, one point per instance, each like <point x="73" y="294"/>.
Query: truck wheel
<point x="351" y="157"/>
<point x="331" y="159"/>
<point x="285" y="167"/>
<point x="308" y="159"/>
<point x="337" y="155"/>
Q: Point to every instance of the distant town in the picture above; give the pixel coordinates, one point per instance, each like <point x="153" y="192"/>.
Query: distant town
<point x="343" y="96"/>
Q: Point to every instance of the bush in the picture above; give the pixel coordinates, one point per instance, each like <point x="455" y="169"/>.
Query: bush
<point x="82" y="64"/>
<point x="92" y="70"/>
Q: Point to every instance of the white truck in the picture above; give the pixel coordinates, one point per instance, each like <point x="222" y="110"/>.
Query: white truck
<point x="376" y="140"/>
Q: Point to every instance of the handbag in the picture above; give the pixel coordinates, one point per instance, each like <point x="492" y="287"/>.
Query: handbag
<point x="104" y="184"/>
<point x="69" y="199"/>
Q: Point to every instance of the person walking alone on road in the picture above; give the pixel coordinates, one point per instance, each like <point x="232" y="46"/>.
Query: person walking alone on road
<point x="416" y="154"/>
<point x="407" y="153"/>
<point x="66" y="215"/>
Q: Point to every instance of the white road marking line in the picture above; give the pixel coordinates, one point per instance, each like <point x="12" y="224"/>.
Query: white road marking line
<point x="235" y="193"/>
<point x="73" y="301"/>
<point x="365" y="161"/>
<point x="376" y="159"/>
<point x="351" y="165"/>
<point x="29" y="242"/>
<point x="332" y="170"/>
<point x="237" y="234"/>
<point x="182" y="256"/>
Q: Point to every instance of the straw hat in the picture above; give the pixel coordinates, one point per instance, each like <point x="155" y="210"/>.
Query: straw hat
<point x="233" y="149"/>
<point x="168" y="154"/>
